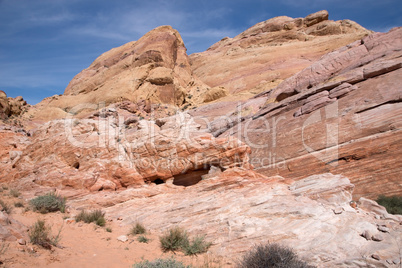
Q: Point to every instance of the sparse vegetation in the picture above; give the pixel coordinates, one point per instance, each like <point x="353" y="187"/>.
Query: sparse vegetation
<point x="5" y="207"/>
<point x="196" y="246"/>
<point x="393" y="204"/>
<point x="50" y="202"/>
<point x="177" y="239"/>
<point x="161" y="263"/>
<point x="271" y="255"/>
<point x="142" y="239"/>
<point x="14" y="193"/>
<point x="96" y="216"/>
<point x="18" y="204"/>
<point x="137" y="228"/>
<point x="108" y="229"/>
<point x="174" y="239"/>
<point x="39" y="234"/>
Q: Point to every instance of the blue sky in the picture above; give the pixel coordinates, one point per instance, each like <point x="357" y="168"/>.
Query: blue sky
<point x="45" y="43"/>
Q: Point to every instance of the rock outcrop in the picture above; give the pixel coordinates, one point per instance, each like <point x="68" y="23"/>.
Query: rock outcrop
<point x="341" y="115"/>
<point x="11" y="106"/>
<point x="271" y="51"/>
<point x="109" y="154"/>
<point x="238" y="208"/>
<point x="155" y="68"/>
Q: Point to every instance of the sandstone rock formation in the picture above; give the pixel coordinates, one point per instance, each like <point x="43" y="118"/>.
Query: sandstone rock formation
<point x="155" y="69"/>
<point x="271" y="51"/>
<point x="239" y="208"/>
<point x="342" y="115"/>
<point x="293" y="164"/>
<point x="11" y="106"/>
<point x="106" y="154"/>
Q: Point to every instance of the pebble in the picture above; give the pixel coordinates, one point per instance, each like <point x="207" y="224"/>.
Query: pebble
<point x="122" y="238"/>
<point x="375" y="257"/>
<point x="22" y="241"/>
<point x="383" y="228"/>
<point x="338" y="210"/>
<point x="366" y="234"/>
<point x="377" y="237"/>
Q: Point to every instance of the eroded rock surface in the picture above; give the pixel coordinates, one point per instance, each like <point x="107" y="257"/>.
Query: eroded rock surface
<point x="106" y="154"/>
<point x="271" y="51"/>
<point x="340" y="115"/>
<point x="239" y="208"/>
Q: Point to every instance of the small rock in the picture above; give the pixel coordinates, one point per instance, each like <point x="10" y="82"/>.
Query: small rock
<point x="119" y="218"/>
<point x="21" y="241"/>
<point x="122" y="238"/>
<point x="353" y="204"/>
<point x="69" y="220"/>
<point x="375" y="257"/>
<point x="338" y="210"/>
<point x="383" y="229"/>
<point x="366" y="234"/>
<point x="396" y="261"/>
<point x="377" y="237"/>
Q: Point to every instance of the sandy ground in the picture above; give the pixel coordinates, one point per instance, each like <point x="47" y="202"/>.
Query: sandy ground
<point x="88" y="245"/>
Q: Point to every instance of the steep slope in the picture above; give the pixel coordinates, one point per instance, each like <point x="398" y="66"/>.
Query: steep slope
<point x="342" y="114"/>
<point x="154" y="69"/>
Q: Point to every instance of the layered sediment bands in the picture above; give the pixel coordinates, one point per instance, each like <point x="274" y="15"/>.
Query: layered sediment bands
<point x="344" y="117"/>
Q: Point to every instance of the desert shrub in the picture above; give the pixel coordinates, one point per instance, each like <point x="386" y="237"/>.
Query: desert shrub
<point x="393" y="204"/>
<point x="196" y="246"/>
<point x="174" y="239"/>
<point x="142" y="239"/>
<point x="271" y="255"/>
<point x="14" y="193"/>
<point x="96" y="216"/>
<point x="50" y="202"/>
<point x="138" y="228"/>
<point x="18" y="205"/>
<point x="5" y="207"/>
<point x="108" y="229"/>
<point x="161" y="263"/>
<point x="39" y="234"/>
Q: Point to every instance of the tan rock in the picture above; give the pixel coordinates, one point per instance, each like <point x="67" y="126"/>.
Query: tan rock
<point x="316" y="17"/>
<point x="269" y="52"/>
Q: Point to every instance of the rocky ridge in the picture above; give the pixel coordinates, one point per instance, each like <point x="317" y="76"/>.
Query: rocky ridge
<point x="271" y="51"/>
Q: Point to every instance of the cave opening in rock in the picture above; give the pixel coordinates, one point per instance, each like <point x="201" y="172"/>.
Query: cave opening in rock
<point x="76" y="165"/>
<point x="158" y="181"/>
<point x="191" y="177"/>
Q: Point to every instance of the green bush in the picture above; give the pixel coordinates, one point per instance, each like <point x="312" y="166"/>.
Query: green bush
<point x="198" y="245"/>
<point x="108" y="229"/>
<point x="142" y="239"/>
<point x="5" y="207"/>
<point x="96" y="216"/>
<point x="174" y="239"/>
<point x="39" y="234"/>
<point x="161" y="263"/>
<point x="393" y="204"/>
<point x="138" y="228"/>
<point x="50" y="202"/>
<point x="271" y="255"/>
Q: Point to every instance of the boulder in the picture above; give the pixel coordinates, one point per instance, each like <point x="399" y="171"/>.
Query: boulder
<point x="316" y="18"/>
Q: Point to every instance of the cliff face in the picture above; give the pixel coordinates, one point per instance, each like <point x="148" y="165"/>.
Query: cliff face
<point x="342" y="114"/>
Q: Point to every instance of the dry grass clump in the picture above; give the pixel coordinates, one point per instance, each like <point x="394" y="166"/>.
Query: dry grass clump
<point x="96" y="216"/>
